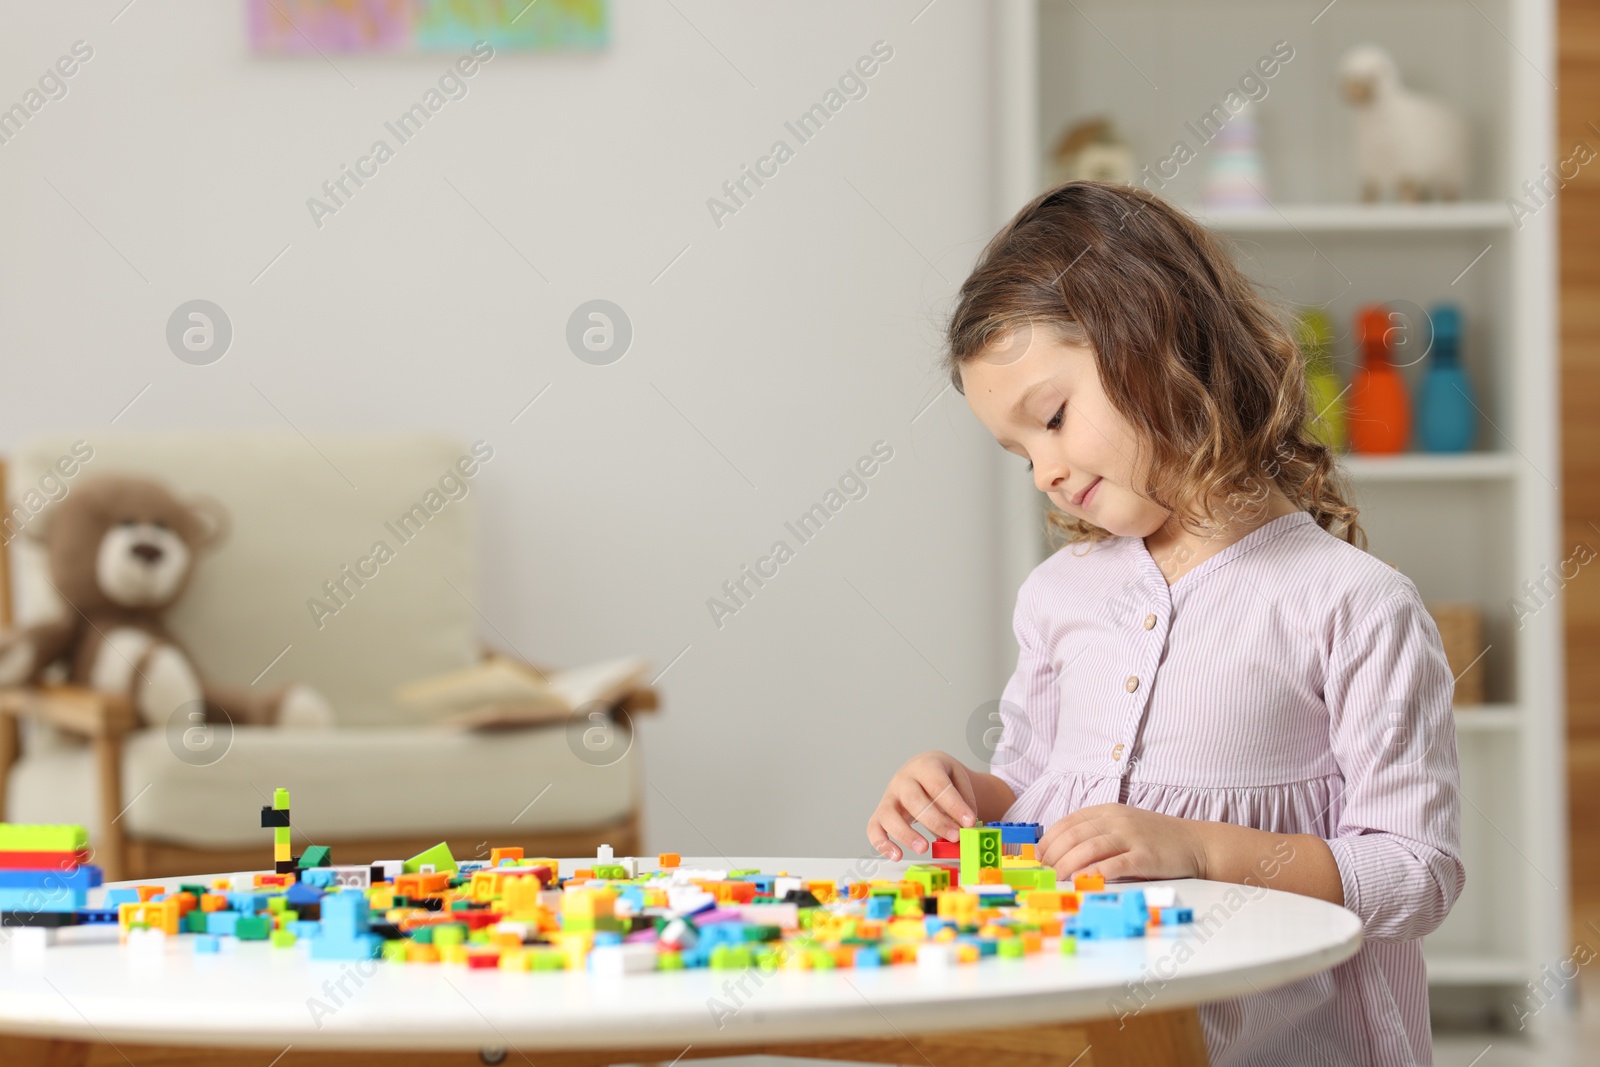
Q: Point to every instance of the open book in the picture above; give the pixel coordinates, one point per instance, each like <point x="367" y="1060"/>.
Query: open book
<point x="503" y="692"/>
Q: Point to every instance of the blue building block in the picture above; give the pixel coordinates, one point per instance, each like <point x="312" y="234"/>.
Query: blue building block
<point x="87" y="916"/>
<point x="304" y="928"/>
<point x="320" y="877"/>
<point x="85" y="877"/>
<point x="880" y="907"/>
<point x="247" y="901"/>
<point x="60" y="899"/>
<point x="1103" y="916"/>
<point x="868" y="956"/>
<point x="728" y="933"/>
<point x="121" y="896"/>
<point x="205" y="943"/>
<point x="222" y="922"/>
<point x="1176" y="916"/>
<point x="763" y="882"/>
<point x="1017" y="833"/>
<point x="346" y="933"/>
<point x="301" y="893"/>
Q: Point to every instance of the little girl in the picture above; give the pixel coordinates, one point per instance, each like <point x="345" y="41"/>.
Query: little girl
<point x="1222" y="683"/>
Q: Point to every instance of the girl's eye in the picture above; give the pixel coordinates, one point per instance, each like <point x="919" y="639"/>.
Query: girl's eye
<point x="1030" y="464"/>
<point x="1055" y="420"/>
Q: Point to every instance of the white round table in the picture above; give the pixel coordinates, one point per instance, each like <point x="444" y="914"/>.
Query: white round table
<point x="70" y="997"/>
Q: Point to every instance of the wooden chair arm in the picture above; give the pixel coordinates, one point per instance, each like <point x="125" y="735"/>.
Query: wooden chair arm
<point x="73" y="708"/>
<point x="105" y="720"/>
<point x="645" y="698"/>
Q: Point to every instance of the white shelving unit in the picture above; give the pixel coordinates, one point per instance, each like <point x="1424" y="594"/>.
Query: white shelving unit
<point x="1470" y="527"/>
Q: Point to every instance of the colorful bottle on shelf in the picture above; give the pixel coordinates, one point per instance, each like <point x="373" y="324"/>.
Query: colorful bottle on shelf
<point x="1380" y="409"/>
<point x="1325" y="421"/>
<point x="1447" y="418"/>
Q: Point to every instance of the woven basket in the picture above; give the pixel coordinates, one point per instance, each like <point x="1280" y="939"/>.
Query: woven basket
<point x="1461" y="631"/>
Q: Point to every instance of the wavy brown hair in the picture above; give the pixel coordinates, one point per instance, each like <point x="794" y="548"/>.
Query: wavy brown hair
<point x="1198" y="361"/>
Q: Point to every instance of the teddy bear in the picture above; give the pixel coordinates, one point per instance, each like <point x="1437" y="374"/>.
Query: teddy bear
<point x="121" y="549"/>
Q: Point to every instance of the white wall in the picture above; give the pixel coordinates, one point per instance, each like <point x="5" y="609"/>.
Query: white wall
<point x="788" y="341"/>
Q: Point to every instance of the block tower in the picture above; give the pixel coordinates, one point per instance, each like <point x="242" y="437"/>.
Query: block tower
<point x="276" y="818"/>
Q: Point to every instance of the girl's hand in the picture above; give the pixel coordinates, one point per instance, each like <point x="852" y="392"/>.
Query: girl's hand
<point x="1122" y="842"/>
<point x="934" y="789"/>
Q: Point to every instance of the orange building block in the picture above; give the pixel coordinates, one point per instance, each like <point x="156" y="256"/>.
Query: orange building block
<point x="1089" y="882"/>
<point x="669" y="859"/>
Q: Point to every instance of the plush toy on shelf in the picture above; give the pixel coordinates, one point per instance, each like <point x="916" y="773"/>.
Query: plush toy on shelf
<point x="1408" y="146"/>
<point x="1091" y="150"/>
<point x="121" y="550"/>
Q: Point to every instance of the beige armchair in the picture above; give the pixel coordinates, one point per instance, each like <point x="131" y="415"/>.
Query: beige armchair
<point x="384" y="782"/>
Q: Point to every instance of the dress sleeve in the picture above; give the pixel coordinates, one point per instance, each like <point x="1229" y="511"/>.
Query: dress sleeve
<point x="1030" y="705"/>
<point x="1397" y="839"/>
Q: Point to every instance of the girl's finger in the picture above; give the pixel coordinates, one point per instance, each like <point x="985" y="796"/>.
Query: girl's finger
<point x="963" y="780"/>
<point x="1065" y="840"/>
<point x="1120" y="868"/>
<point x="926" y="808"/>
<point x="1087" y="853"/>
<point x="1065" y="825"/>
<point x="946" y="797"/>
<point x="900" y="830"/>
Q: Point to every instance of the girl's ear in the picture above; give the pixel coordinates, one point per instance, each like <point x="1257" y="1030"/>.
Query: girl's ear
<point x="211" y="518"/>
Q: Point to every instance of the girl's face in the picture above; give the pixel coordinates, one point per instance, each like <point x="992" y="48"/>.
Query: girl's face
<point x="1041" y="398"/>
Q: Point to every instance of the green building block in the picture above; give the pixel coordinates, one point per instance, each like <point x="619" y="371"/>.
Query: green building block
<point x="610" y="870"/>
<point x="669" y="961"/>
<point x="930" y="877"/>
<point x="280" y="799"/>
<point x="438" y="856"/>
<point x="25" y="837"/>
<point x="280" y="835"/>
<point x="1069" y="946"/>
<point x="253" y="927"/>
<point x="282" y="938"/>
<point x="1009" y="948"/>
<point x="980" y="848"/>
<point x="194" y="922"/>
<point x="316" y="856"/>
<point x="449" y="934"/>
<point x="1029" y="877"/>
<point x="395" y="950"/>
<point x="730" y="957"/>
<point x="548" y="960"/>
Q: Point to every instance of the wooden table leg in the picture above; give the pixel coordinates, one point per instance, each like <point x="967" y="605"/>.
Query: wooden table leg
<point x="1150" y="1039"/>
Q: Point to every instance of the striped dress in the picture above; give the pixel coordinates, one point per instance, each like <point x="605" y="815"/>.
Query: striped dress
<point x="1292" y="683"/>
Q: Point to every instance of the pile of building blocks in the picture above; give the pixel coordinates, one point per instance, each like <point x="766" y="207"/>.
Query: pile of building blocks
<point x="984" y="895"/>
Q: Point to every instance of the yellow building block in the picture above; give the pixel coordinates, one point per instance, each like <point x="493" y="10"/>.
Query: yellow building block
<point x="958" y="906"/>
<point x="158" y="915"/>
<point x="589" y="903"/>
